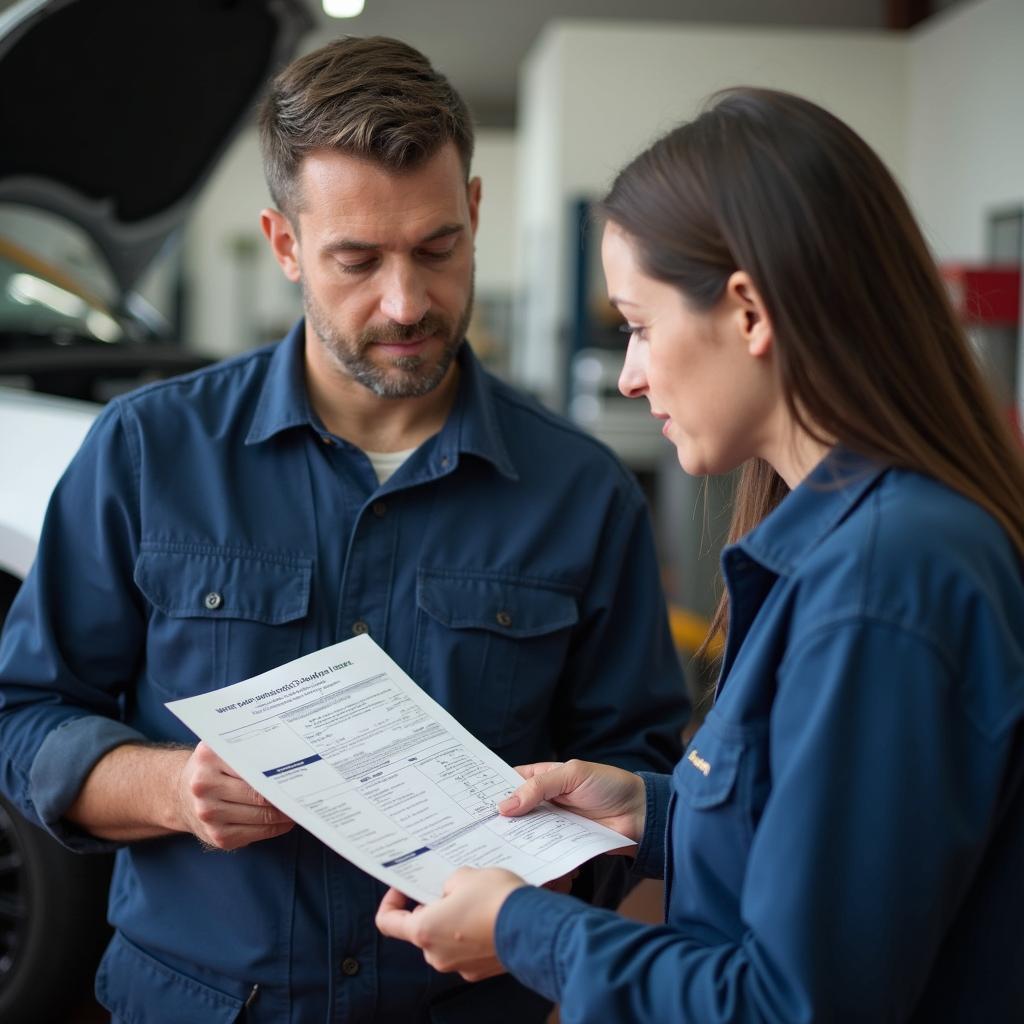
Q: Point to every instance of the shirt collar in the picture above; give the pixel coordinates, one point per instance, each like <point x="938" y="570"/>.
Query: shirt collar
<point x="283" y="402"/>
<point x="811" y="511"/>
<point x="472" y="426"/>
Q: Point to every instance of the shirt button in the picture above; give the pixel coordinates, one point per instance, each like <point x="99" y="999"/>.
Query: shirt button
<point x="358" y="628"/>
<point x="444" y="461"/>
<point x="350" y="966"/>
<point x="327" y="441"/>
<point x="504" y="619"/>
<point x="380" y="509"/>
<point x="213" y="600"/>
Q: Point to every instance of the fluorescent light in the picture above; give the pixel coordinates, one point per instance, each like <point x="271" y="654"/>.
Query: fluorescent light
<point x="28" y="290"/>
<point x="343" y="8"/>
<point x="34" y="291"/>
<point x="101" y="326"/>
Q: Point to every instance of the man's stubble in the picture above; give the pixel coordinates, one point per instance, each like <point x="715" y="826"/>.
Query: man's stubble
<point x="404" y="376"/>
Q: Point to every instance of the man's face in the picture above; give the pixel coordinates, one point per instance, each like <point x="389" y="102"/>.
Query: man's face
<point x="385" y="262"/>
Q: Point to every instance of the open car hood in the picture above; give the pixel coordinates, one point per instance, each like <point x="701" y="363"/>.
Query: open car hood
<point x="114" y="112"/>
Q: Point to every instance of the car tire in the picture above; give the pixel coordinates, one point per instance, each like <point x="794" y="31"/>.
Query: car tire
<point x="52" y="921"/>
<point x="52" y="912"/>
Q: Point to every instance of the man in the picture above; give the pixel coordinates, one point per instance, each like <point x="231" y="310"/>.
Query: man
<point x="365" y="475"/>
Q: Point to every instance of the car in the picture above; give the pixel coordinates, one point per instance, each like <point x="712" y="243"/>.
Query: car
<point x="114" y="115"/>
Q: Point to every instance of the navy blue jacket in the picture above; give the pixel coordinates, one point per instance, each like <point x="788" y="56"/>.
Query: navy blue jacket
<point x="845" y="833"/>
<point x="507" y="566"/>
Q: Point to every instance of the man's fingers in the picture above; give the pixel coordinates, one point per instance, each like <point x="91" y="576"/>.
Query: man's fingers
<point x="227" y="813"/>
<point x="225" y="837"/>
<point x="234" y="792"/>
<point x="257" y="799"/>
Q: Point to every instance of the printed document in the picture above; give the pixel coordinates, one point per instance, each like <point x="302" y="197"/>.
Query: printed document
<point x="350" y="748"/>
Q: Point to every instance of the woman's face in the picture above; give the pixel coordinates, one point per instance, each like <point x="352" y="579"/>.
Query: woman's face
<point x="707" y="376"/>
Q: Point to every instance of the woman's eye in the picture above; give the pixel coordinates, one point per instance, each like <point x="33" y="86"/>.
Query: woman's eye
<point x="632" y="329"/>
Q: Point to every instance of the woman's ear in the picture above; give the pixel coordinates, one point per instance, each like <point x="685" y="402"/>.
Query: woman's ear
<point x="747" y="307"/>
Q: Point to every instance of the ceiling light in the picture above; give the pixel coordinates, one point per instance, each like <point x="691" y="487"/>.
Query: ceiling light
<point x="343" y="8"/>
<point x="28" y="289"/>
<point x="102" y="326"/>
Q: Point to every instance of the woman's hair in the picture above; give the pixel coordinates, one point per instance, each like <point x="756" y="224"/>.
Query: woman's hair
<point x="868" y="348"/>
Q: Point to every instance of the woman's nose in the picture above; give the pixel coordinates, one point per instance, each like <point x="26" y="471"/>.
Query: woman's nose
<point x="633" y="378"/>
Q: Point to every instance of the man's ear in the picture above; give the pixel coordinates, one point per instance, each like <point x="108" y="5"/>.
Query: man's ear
<point x="474" y="191"/>
<point x="284" y="241"/>
<point x="751" y="317"/>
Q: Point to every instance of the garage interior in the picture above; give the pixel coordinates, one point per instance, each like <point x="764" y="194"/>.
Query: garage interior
<point x="562" y="94"/>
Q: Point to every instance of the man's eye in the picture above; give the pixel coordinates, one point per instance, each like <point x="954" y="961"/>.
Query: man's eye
<point x="357" y="268"/>
<point x="434" y="254"/>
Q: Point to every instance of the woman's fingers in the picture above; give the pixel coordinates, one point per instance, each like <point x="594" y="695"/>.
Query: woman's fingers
<point x="394" y="918"/>
<point x="529" y="770"/>
<point x="545" y="782"/>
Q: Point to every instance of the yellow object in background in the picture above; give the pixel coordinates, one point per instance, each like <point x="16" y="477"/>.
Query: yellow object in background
<point x="689" y="631"/>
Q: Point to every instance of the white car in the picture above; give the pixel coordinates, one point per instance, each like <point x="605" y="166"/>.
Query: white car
<point x="40" y="435"/>
<point x="117" y="114"/>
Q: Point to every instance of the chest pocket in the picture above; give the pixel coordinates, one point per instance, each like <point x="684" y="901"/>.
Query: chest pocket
<point x="220" y="615"/>
<point x="491" y="650"/>
<point x="719" y="790"/>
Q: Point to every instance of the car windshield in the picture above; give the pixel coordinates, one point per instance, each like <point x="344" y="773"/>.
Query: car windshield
<point x="55" y="285"/>
<point x="52" y="282"/>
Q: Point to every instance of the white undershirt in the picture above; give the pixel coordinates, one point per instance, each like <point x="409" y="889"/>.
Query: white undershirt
<point x="385" y="463"/>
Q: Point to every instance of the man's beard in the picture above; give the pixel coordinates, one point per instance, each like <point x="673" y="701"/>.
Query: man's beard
<point x="403" y="376"/>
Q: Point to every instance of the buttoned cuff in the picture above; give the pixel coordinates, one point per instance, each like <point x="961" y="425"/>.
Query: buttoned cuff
<point x="650" y="855"/>
<point x="60" y="768"/>
<point x="527" y="936"/>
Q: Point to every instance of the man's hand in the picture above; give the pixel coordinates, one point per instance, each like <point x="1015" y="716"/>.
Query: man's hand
<point x="607" y="795"/>
<point x="457" y="932"/>
<point x="223" y="811"/>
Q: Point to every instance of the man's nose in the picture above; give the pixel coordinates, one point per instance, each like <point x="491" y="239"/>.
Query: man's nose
<point x="633" y="378"/>
<point x="404" y="299"/>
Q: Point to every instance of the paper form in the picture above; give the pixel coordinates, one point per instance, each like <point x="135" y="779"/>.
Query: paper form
<point x="350" y="748"/>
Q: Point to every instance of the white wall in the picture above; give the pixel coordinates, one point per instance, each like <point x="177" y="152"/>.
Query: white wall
<point x="237" y="296"/>
<point x="539" y="266"/>
<point x="594" y="93"/>
<point x="966" y="122"/>
<point x="966" y="129"/>
<point x="494" y="162"/>
<point x="236" y="293"/>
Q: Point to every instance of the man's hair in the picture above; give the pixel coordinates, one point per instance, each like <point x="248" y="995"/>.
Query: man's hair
<point x="375" y="98"/>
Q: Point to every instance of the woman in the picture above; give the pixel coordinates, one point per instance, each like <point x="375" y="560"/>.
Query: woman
<point x="844" y="838"/>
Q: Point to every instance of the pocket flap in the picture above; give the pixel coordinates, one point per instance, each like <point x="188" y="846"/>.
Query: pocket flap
<point x="137" y="987"/>
<point x="192" y="581"/>
<point x="707" y="772"/>
<point x="510" y="608"/>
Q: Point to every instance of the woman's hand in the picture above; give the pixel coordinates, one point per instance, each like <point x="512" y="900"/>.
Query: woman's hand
<point x="607" y="795"/>
<point x="457" y="932"/>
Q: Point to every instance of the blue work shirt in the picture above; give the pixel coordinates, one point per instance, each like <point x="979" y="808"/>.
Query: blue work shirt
<point x="210" y="529"/>
<point x="845" y="833"/>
